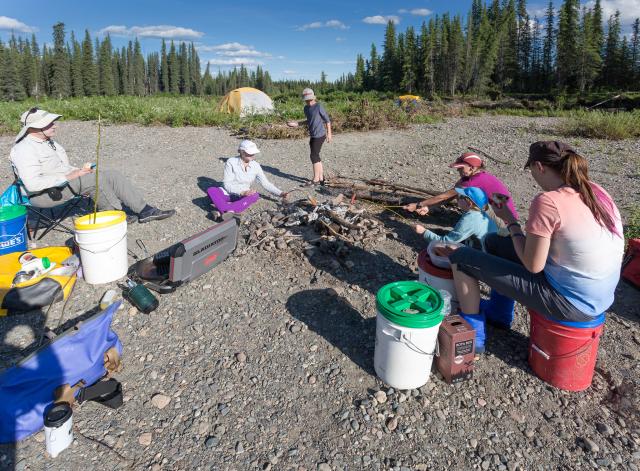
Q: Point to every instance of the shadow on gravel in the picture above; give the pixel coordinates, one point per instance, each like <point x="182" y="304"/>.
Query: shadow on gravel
<point x="10" y="355"/>
<point x="278" y="173"/>
<point x="204" y="202"/>
<point x="370" y="270"/>
<point x="626" y="302"/>
<point x="334" y="318"/>
<point x="509" y="346"/>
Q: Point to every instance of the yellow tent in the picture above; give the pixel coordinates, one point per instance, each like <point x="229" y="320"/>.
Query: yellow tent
<point x="245" y="101"/>
<point x="404" y="98"/>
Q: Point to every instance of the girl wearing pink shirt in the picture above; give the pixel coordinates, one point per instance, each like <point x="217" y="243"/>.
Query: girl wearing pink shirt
<point x="567" y="265"/>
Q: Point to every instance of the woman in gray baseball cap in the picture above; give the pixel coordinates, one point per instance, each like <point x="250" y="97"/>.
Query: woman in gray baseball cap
<point x="43" y="166"/>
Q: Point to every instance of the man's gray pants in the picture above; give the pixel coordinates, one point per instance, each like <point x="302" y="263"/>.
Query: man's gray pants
<point x="114" y="190"/>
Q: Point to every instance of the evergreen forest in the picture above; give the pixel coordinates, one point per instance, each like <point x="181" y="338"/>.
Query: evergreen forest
<point x="497" y="49"/>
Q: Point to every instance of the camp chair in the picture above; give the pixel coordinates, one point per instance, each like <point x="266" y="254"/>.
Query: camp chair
<point x="46" y="217"/>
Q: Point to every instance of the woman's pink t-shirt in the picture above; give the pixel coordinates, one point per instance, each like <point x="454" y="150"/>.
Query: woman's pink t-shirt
<point x="584" y="258"/>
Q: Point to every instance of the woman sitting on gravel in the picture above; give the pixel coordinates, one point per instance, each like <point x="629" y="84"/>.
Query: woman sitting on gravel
<point x="239" y="174"/>
<point x="567" y="265"/>
<point x="472" y="173"/>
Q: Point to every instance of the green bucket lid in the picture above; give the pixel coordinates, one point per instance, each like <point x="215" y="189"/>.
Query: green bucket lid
<point x="12" y="212"/>
<point x="410" y="304"/>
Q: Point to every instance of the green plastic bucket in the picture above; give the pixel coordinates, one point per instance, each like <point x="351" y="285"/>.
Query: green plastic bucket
<point x="407" y="324"/>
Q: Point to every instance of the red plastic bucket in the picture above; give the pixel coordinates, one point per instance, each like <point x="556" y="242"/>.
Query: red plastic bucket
<point x="563" y="354"/>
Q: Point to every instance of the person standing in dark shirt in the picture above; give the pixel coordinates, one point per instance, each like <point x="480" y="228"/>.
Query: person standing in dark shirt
<point x="319" y="125"/>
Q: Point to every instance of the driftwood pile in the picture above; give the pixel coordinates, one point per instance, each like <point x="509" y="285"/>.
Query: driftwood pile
<point x="377" y="190"/>
<point x="307" y="224"/>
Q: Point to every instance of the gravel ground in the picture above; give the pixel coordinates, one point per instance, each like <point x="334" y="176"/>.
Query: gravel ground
<point x="267" y="361"/>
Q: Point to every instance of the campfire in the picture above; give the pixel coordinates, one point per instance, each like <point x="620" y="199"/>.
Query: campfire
<point x="308" y="223"/>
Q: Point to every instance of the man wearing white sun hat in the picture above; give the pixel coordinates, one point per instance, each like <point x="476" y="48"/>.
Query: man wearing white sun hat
<point x="43" y="166"/>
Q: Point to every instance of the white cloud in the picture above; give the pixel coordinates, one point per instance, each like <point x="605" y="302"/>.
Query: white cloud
<point x="629" y="10"/>
<point x="290" y="72"/>
<point x="381" y="20"/>
<point x="227" y="54"/>
<point x="12" y="24"/>
<point x="159" y="31"/>
<point x="224" y="47"/>
<point x="244" y="52"/>
<point x="340" y="39"/>
<point x="335" y="24"/>
<point x="420" y="12"/>
<point x="235" y="61"/>
<point x="403" y="11"/>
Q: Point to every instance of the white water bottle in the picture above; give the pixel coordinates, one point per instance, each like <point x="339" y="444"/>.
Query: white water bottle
<point x="58" y="428"/>
<point x="446" y="302"/>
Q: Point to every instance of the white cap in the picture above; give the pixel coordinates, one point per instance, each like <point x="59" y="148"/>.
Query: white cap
<point x="249" y="147"/>
<point x="37" y="119"/>
<point x="307" y="94"/>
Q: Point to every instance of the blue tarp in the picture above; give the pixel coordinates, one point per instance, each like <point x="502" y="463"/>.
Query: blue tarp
<point x="26" y="389"/>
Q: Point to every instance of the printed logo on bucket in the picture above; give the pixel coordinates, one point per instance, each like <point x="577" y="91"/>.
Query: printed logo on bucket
<point x="18" y="239"/>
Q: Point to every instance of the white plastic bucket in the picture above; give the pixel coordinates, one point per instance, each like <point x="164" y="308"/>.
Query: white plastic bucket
<point x="103" y="246"/>
<point x="403" y="355"/>
<point x="437" y="277"/>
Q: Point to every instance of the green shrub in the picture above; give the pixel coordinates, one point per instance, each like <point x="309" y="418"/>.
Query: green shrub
<point x="602" y="124"/>
<point x="349" y="111"/>
<point x="632" y="226"/>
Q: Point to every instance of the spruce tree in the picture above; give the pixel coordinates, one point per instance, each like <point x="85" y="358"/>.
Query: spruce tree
<point x="44" y="77"/>
<point x="588" y="57"/>
<point x="128" y="69"/>
<point x="164" y="69"/>
<point x="89" y="70"/>
<point x="597" y="31"/>
<point x="184" y="81"/>
<point x="373" y="73"/>
<point x="536" y="81"/>
<point x="455" y="60"/>
<point x="358" y="78"/>
<point x="35" y="53"/>
<point x="524" y="46"/>
<point x="548" y="47"/>
<point x="174" y="70"/>
<point x="139" y="86"/>
<point x="612" y="61"/>
<point x="77" y="83"/>
<point x="388" y="64"/>
<point x="635" y="54"/>
<point x="429" y="61"/>
<point x="11" y="87"/>
<point x="488" y="41"/>
<point x="61" y="80"/>
<point x="28" y="69"/>
<point x="409" y="62"/>
<point x="568" y="29"/>
<point x="153" y="73"/>
<point x="105" y="71"/>
<point x="208" y="82"/>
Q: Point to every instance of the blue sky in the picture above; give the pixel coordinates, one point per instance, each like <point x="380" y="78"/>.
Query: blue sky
<point x="289" y="39"/>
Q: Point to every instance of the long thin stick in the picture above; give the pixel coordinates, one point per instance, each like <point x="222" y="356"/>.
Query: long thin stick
<point x="603" y="102"/>
<point x="95" y="196"/>
<point x="475" y="149"/>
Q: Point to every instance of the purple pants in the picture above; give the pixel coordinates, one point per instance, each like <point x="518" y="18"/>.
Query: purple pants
<point x="227" y="203"/>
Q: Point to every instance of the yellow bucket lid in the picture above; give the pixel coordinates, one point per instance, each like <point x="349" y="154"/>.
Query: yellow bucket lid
<point x="102" y="219"/>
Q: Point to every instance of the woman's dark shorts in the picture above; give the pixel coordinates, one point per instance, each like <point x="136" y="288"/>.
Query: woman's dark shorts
<point x="315" y="144"/>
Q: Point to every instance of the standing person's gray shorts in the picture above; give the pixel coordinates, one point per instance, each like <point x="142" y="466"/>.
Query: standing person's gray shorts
<point x="502" y="270"/>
